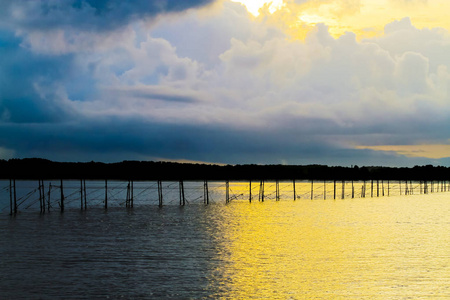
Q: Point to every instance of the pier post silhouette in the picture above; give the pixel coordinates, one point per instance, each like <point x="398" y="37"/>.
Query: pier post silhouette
<point x="277" y="190"/>
<point x="160" y="194"/>
<point x="261" y="191"/>
<point x="48" y="197"/>
<point x="62" y="196"/>
<point x="181" y="191"/>
<point x="81" y="193"/>
<point x="205" y="192"/>
<point x="324" y="190"/>
<point x="334" y="190"/>
<point x="106" y="193"/>
<point x="227" y="191"/>
<point x="293" y="186"/>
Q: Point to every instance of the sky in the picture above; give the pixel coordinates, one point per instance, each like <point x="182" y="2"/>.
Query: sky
<point x="350" y="82"/>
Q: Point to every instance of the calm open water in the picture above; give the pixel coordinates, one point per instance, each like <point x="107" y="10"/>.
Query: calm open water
<point x="394" y="247"/>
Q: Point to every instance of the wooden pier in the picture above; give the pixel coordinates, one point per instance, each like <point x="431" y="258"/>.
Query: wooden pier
<point x="56" y="195"/>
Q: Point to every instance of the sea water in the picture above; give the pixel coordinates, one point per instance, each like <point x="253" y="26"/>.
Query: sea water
<point x="394" y="247"/>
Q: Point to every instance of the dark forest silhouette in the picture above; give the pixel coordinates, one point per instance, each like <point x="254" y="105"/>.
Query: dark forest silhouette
<point x="35" y="168"/>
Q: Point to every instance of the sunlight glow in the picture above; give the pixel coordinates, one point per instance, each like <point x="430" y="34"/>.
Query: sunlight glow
<point x="428" y="151"/>
<point x="253" y="6"/>
<point x="365" y="18"/>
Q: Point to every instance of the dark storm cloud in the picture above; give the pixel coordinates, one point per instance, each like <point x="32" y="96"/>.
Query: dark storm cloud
<point x="117" y="139"/>
<point x="27" y="83"/>
<point x="87" y="14"/>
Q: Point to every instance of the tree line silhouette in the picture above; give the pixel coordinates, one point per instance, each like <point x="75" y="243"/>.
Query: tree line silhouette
<point x="36" y="168"/>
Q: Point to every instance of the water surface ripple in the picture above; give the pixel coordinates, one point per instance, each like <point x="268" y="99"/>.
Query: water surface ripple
<point x="370" y="248"/>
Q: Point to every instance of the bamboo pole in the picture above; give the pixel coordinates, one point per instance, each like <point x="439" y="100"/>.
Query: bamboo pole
<point x="10" y="198"/>
<point x="106" y="193"/>
<point x="277" y="191"/>
<point x="49" y="199"/>
<point x="293" y="185"/>
<point x="132" y="194"/>
<point x="353" y="191"/>
<point x="160" y="193"/>
<point x="364" y="185"/>
<point x="389" y="188"/>
<point x="85" y="201"/>
<point x="378" y="188"/>
<point x="206" y="192"/>
<point x="43" y="196"/>
<point x="181" y="189"/>
<point x="40" y="196"/>
<point x="261" y="191"/>
<point x="371" y="189"/>
<point x="81" y="194"/>
<point x="250" y="191"/>
<point x="227" y="193"/>
<point x="62" y="196"/>
<point x="334" y="193"/>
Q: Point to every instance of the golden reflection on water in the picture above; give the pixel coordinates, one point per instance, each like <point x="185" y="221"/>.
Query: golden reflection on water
<point x="370" y="248"/>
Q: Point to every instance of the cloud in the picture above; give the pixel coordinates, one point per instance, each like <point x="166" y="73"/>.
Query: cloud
<point x="216" y="86"/>
<point x="88" y="14"/>
<point x="428" y="151"/>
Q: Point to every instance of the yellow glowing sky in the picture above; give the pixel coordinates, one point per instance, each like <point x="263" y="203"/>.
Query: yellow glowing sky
<point x="429" y="151"/>
<point x="365" y="18"/>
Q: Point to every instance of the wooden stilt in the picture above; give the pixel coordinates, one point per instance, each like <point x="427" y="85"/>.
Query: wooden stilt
<point x="206" y="192"/>
<point x="295" y="193"/>
<point x="10" y="198"/>
<point x="43" y="196"/>
<point x="261" y="191"/>
<point x="312" y="189"/>
<point x="371" y="189"/>
<point x="127" y="199"/>
<point x="84" y="194"/>
<point x="227" y="193"/>
<point x="343" y="189"/>
<point x="181" y="189"/>
<point x="277" y="191"/>
<point x="250" y="191"/>
<point x="49" y="194"/>
<point x="81" y="194"/>
<point x="324" y="190"/>
<point x="334" y="193"/>
<point x="62" y="196"/>
<point x="353" y="191"/>
<point x="132" y="194"/>
<point x="40" y="196"/>
<point x="106" y="193"/>
<point x="160" y="194"/>
<point x="378" y="188"/>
